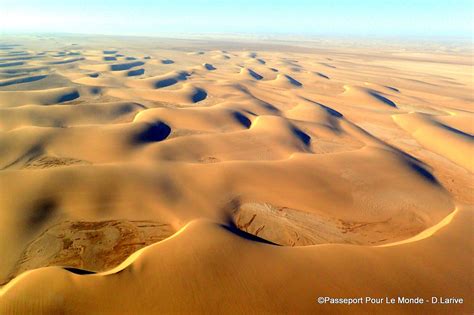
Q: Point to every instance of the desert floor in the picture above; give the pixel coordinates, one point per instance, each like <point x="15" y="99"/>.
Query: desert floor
<point x="148" y="175"/>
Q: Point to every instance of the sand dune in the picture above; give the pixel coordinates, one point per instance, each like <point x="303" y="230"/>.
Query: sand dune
<point x="251" y="74"/>
<point x="208" y="66"/>
<point x="159" y="81"/>
<point x="211" y="119"/>
<point x="286" y="81"/>
<point x="175" y="176"/>
<point x="67" y="115"/>
<point x="40" y="97"/>
<point x="392" y="268"/>
<point x="366" y="96"/>
<point x="187" y="94"/>
<point x="19" y="80"/>
<point x="11" y="64"/>
<point x="447" y="141"/>
<point x="114" y="67"/>
<point x="64" y="61"/>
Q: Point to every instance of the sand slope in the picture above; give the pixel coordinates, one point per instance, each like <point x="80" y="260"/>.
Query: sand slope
<point x="214" y="177"/>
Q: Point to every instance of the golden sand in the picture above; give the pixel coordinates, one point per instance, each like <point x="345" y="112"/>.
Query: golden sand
<point x="147" y="175"/>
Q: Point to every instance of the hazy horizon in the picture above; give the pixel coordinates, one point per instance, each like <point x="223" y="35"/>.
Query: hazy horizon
<point x="419" y="18"/>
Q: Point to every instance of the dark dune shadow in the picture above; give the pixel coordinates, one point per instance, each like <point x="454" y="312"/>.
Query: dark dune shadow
<point x="155" y="132"/>
<point x="19" y="71"/>
<point x="303" y="137"/>
<point x="18" y="53"/>
<point x="261" y="61"/>
<point x="456" y="131"/>
<point x="8" y="46"/>
<point x="263" y="103"/>
<point x="126" y="108"/>
<point x="331" y="111"/>
<point x="249" y="112"/>
<point x="94" y="75"/>
<point x="170" y="81"/>
<point x="68" y="97"/>
<point x="11" y="64"/>
<point x="392" y="88"/>
<point x="167" y="61"/>
<point x="164" y="83"/>
<point x="23" y="80"/>
<point x="423" y="172"/>
<point x="61" y="62"/>
<point x="126" y="66"/>
<point x="199" y="95"/>
<point x="109" y="52"/>
<point x="95" y="90"/>
<point x="231" y="227"/>
<point x="383" y="99"/>
<point x="130" y="58"/>
<point x="183" y="75"/>
<point x="328" y="109"/>
<point x="328" y="65"/>
<point x="136" y="72"/>
<point x="255" y="75"/>
<point x="293" y="81"/>
<point x="242" y="119"/>
<point x="78" y="271"/>
<point x="110" y="58"/>
<point x="268" y="106"/>
<point x="209" y="67"/>
<point x="18" y="58"/>
<point x="322" y="75"/>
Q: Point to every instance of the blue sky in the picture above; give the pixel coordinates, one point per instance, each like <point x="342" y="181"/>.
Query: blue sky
<point x="427" y="18"/>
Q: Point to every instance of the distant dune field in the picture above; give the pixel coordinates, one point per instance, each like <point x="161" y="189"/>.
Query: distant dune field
<point x="155" y="176"/>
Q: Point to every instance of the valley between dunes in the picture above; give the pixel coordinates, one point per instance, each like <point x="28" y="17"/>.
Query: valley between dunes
<point x="164" y="176"/>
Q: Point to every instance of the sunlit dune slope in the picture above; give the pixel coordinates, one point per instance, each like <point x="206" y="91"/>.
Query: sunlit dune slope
<point x="174" y="176"/>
